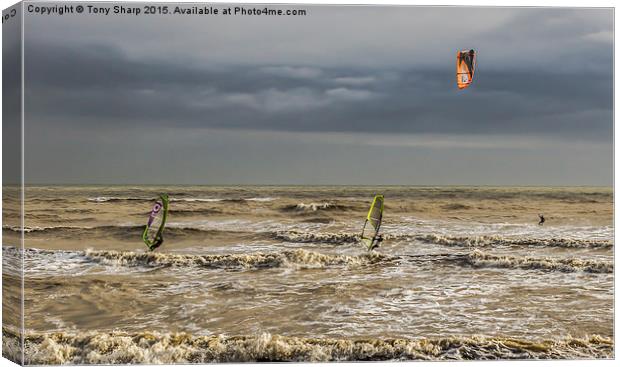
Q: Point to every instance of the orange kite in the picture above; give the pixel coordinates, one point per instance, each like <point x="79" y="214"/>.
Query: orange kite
<point x="465" y="67"/>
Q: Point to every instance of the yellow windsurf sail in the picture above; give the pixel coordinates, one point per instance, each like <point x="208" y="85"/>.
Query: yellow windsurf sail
<point x="370" y="234"/>
<point x="465" y="68"/>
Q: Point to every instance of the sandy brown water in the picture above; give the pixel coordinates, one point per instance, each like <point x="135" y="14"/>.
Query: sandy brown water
<point x="277" y="273"/>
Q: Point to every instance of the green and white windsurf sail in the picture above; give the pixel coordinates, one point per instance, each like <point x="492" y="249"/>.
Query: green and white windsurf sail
<point x="153" y="235"/>
<point x="370" y="232"/>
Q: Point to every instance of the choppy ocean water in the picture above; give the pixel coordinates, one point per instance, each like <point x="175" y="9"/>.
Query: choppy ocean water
<point x="277" y="273"/>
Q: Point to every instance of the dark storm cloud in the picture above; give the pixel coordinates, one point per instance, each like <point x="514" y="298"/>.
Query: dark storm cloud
<point x="103" y="83"/>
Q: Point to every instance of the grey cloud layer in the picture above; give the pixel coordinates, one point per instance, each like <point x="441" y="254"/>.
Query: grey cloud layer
<point x="101" y="82"/>
<point x="543" y="74"/>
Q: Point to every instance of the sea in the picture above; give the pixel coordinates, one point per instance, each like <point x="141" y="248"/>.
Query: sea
<point x="278" y="273"/>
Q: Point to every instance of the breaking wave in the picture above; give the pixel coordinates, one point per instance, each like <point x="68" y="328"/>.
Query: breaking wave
<point x="120" y="232"/>
<point x="94" y="347"/>
<point x="76" y="231"/>
<point x="312" y="237"/>
<point x="49" y="229"/>
<point x="174" y="231"/>
<point x="339" y="238"/>
<point x="295" y="258"/>
<point x="478" y="258"/>
<point x="491" y="240"/>
<point x="111" y="199"/>
<point x="312" y="207"/>
<point x="300" y="258"/>
<point x="261" y="199"/>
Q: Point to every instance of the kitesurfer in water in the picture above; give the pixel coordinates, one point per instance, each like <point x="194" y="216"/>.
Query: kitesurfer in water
<point x="542" y="219"/>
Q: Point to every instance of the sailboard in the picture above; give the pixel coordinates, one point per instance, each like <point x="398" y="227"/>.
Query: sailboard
<point x="370" y="231"/>
<point x="465" y="68"/>
<point x="153" y="235"/>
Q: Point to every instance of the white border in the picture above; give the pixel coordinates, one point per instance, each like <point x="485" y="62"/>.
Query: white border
<point x="508" y="3"/>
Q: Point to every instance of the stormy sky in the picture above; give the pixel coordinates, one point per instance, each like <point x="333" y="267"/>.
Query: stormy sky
<point x="343" y="95"/>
